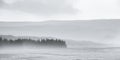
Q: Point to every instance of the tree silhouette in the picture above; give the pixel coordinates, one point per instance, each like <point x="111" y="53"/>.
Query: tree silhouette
<point x="51" y="43"/>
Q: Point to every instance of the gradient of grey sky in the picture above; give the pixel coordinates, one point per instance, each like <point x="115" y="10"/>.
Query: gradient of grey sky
<point x="41" y="10"/>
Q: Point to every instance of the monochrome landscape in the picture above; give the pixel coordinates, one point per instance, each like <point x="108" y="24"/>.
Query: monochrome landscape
<point x="59" y="29"/>
<point x="60" y="40"/>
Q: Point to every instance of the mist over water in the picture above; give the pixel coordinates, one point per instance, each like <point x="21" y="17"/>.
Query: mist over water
<point x="53" y="40"/>
<point x="47" y="49"/>
<point x="60" y="54"/>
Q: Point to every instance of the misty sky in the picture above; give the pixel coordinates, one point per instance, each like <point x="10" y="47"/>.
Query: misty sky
<point x="41" y="10"/>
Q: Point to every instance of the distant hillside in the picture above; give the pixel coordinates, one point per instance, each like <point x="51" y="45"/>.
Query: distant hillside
<point x="8" y="37"/>
<point x="70" y="43"/>
<point x="24" y="37"/>
<point x="85" y="44"/>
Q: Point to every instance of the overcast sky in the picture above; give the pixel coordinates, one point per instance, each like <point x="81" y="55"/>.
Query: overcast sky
<point x="42" y="10"/>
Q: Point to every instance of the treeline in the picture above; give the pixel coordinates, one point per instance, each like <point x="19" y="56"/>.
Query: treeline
<point x="30" y="43"/>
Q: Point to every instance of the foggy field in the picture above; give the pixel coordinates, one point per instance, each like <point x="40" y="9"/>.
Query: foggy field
<point x="60" y="54"/>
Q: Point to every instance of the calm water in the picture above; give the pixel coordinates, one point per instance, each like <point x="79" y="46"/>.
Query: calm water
<point x="60" y="54"/>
